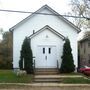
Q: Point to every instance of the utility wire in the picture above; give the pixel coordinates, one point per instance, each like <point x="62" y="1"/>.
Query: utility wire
<point x="87" y="18"/>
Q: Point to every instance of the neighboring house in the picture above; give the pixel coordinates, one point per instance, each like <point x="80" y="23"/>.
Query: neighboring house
<point x="84" y="52"/>
<point x="47" y="34"/>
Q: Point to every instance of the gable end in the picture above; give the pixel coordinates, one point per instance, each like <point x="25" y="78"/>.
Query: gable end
<point x="38" y="12"/>
<point x="49" y="28"/>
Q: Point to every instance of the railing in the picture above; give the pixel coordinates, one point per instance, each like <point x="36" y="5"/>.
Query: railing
<point x="34" y="64"/>
<point x="57" y="65"/>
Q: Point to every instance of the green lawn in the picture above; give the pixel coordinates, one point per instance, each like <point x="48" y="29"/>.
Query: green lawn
<point x="77" y="80"/>
<point x="73" y="73"/>
<point x="8" y="76"/>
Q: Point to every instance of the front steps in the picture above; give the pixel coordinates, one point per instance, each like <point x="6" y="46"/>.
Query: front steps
<point x="46" y="71"/>
<point x="46" y="75"/>
<point x="46" y="79"/>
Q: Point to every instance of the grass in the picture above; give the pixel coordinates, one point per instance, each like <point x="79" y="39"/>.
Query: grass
<point x="77" y="80"/>
<point x="73" y="73"/>
<point x="8" y="76"/>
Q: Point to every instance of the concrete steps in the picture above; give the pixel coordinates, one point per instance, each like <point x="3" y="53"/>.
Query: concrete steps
<point x="46" y="78"/>
<point x="46" y="75"/>
<point x="53" y="78"/>
<point x="47" y="71"/>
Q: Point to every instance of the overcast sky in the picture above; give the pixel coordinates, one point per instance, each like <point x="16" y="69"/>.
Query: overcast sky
<point x="7" y="20"/>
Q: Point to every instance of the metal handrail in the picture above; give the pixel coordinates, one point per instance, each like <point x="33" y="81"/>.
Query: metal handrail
<point x="57" y="65"/>
<point x="34" y="65"/>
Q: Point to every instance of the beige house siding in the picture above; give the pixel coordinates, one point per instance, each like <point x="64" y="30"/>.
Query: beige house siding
<point x="84" y="50"/>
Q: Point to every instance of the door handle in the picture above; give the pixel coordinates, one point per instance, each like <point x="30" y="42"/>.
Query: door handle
<point x="46" y="57"/>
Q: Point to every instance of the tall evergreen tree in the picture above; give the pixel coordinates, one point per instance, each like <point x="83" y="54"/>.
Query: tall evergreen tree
<point x="26" y="58"/>
<point x="67" y="64"/>
<point x="6" y="50"/>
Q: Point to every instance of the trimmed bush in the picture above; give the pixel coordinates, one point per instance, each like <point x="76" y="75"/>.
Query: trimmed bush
<point x="26" y="58"/>
<point x="67" y="65"/>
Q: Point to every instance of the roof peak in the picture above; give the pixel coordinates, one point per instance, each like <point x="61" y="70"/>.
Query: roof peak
<point x="53" y="11"/>
<point x="49" y="28"/>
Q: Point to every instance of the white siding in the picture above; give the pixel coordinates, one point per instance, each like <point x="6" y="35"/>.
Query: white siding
<point x="36" y="22"/>
<point x="52" y="40"/>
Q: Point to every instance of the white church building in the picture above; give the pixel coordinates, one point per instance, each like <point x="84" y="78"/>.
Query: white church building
<point x="47" y="32"/>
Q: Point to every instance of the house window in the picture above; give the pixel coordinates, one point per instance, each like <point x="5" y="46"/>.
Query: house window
<point x="89" y="44"/>
<point x="49" y="50"/>
<point x="43" y="50"/>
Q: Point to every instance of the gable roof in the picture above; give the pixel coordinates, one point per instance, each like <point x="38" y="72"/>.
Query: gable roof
<point x="50" y="29"/>
<point x="38" y="12"/>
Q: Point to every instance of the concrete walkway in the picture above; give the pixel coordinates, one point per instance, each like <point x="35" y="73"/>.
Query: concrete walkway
<point x="58" y="76"/>
<point x="45" y="86"/>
